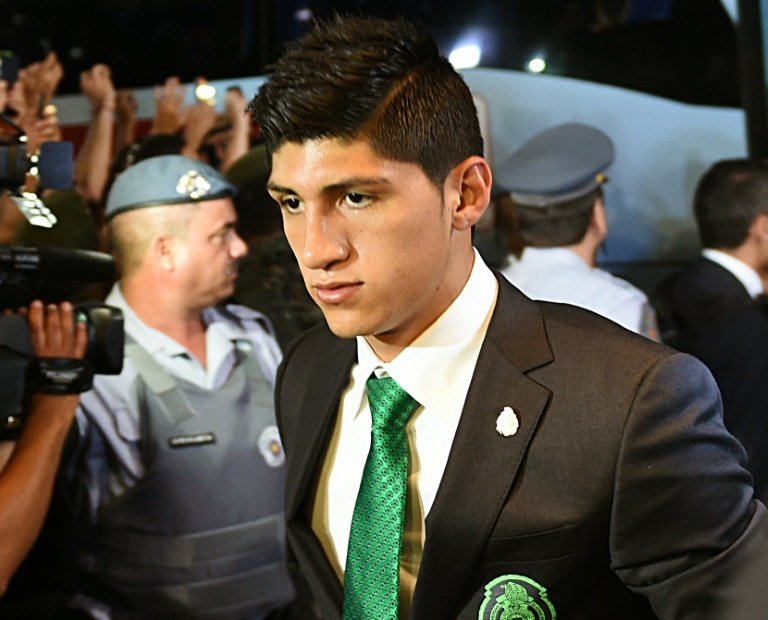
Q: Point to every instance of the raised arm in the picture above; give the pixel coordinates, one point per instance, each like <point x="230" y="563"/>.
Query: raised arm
<point x="93" y="160"/>
<point x="240" y="118"/>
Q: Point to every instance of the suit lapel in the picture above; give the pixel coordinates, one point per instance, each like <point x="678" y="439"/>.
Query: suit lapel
<point x="318" y="407"/>
<point x="483" y="464"/>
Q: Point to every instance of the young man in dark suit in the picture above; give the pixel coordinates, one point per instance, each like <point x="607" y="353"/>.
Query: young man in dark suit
<point x="716" y="309"/>
<point x="455" y="449"/>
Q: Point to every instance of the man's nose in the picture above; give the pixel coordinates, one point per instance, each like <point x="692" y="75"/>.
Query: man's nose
<point x="324" y="240"/>
<point x="238" y="248"/>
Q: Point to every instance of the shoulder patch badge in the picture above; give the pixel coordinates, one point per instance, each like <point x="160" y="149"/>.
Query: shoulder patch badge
<point x="271" y="447"/>
<point x="515" y="597"/>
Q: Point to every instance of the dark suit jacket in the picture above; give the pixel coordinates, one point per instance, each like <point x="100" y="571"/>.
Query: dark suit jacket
<point x="712" y="316"/>
<point x="693" y="297"/>
<point x="620" y="485"/>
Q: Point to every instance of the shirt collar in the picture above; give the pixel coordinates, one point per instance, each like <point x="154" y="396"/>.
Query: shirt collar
<point x="556" y="255"/>
<point x="748" y="277"/>
<point x="155" y="341"/>
<point x="435" y="352"/>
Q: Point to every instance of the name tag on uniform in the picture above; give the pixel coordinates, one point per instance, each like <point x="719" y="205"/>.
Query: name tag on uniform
<point x="195" y="439"/>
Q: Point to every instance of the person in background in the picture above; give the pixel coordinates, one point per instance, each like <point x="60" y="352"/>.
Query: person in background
<point x="178" y="478"/>
<point x="91" y="171"/>
<point x="455" y="449"/>
<point x="27" y="103"/>
<point x="230" y="139"/>
<point x="30" y="101"/>
<point x="715" y="308"/>
<point x="555" y="183"/>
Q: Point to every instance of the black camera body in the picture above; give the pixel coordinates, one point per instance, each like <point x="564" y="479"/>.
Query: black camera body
<point x="33" y="273"/>
<point x="20" y="370"/>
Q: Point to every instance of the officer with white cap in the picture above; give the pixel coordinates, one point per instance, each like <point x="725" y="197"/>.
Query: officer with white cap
<point x="179" y="478"/>
<point x="555" y="182"/>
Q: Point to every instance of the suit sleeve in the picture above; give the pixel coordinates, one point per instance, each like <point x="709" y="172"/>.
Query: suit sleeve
<point x="685" y="530"/>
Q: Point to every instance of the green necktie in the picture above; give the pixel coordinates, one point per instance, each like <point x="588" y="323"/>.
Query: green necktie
<point x="372" y="574"/>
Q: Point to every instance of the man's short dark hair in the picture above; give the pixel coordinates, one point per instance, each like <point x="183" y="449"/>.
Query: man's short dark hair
<point x="728" y="198"/>
<point x="556" y="225"/>
<point x="376" y="79"/>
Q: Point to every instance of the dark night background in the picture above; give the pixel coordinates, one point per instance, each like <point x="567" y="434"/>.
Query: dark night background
<point x="682" y="49"/>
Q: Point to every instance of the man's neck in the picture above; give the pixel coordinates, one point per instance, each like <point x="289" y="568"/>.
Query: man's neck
<point x="585" y="251"/>
<point x="161" y="312"/>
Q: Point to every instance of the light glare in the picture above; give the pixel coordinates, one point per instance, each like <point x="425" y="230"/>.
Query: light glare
<point x="465" y="57"/>
<point x="303" y="15"/>
<point x="536" y="65"/>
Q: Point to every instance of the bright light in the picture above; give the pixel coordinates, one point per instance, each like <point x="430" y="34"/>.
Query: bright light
<point x="303" y="15"/>
<point x="536" y="64"/>
<point x="205" y="92"/>
<point x="465" y="57"/>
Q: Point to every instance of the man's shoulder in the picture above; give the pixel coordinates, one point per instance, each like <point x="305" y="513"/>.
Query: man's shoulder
<point x="703" y="278"/>
<point x="109" y="394"/>
<point x="241" y="317"/>
<point x="565" y="322"/>
<point x="563" y="276"/>
<point x="621" y="286"/>
<point x="577" y="322"/>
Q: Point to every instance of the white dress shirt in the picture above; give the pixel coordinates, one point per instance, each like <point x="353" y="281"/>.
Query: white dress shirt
<point x="436" y="369"/>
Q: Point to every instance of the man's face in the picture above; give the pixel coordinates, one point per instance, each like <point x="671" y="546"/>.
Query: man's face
<point x="373" y="238"/>
<point x="209" y="255"/>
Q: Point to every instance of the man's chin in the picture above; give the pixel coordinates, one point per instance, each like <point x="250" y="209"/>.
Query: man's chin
<point x="223" y="296"/>
<point x="343" y="327"/>
<point x="344" y="331"/>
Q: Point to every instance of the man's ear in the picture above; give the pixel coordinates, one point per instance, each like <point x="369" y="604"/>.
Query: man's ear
<point x="469" y="191"/>
<point x="599" y="218"/>
<point x="759" y="226"/>
<point x="163" y="249"/>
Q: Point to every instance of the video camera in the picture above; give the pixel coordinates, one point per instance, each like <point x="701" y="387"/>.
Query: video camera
<point x="47" y="274"/>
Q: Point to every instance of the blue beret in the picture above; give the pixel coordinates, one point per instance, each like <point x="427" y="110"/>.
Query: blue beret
<point x="166" y="180"/>
<point x="559" y="164"/>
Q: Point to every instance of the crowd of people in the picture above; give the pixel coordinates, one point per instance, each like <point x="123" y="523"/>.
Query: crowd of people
<point x="332" y="405"/>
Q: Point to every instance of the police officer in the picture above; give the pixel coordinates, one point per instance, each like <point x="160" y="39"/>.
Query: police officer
<point x="179" y="477"/>
<point x="555" y="182"/>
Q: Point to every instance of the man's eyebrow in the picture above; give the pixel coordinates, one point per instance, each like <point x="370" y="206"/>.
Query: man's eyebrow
<point x="342" y="184"/>
<point x="274" y="187"/>
<point x="226" y="226"/>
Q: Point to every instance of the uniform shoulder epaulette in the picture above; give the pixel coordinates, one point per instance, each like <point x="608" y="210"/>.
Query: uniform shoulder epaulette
<point x="246" y="317"/>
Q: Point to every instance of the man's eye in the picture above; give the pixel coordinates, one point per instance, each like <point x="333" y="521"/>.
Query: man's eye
<point x="357" y="200"/>
<point x="291" y="204"/>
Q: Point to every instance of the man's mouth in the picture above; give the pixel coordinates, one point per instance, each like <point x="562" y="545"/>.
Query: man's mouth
<point x="336" y="292"/>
